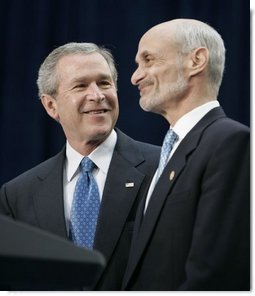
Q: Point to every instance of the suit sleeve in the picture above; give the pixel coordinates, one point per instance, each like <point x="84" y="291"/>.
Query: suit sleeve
<point x="219" y="254"/>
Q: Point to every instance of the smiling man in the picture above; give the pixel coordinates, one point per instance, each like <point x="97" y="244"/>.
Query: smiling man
<point x="95" y="209"/>
<point x="86" y="103"/>
<point x="192" y="230"/>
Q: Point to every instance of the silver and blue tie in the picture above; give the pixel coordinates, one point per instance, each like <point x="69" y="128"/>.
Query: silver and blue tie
<point x="85" y="207"/>
<point x="167" y="146"/>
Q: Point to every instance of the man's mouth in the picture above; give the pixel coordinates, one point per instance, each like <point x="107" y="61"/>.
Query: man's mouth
<point x="142" y="89"/>
<point x="101" y="111"/>
<point x="143" y="86"/>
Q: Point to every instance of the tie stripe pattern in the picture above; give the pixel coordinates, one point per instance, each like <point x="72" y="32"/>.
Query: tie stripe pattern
<point x="167" y="146"/>
<point x="85" y="207"/>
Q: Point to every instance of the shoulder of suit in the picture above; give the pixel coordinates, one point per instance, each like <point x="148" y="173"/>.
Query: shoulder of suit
<point x="125" y="141"/>
<point x="227" y="125"/>
<point x="41" y="169"/>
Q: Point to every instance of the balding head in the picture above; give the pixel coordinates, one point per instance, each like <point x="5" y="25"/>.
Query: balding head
<point x="189" y="34"/>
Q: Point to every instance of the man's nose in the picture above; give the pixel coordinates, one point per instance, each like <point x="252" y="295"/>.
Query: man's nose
<point x="94" y="93"/>
<point x="137" y="76"/>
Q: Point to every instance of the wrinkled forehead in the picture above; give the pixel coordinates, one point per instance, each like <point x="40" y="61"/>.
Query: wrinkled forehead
<point x="82" y="58"/>
<point x="82" y="63"/>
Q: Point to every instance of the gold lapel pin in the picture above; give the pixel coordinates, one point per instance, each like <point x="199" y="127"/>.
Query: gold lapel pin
<point x="130" y="184"/>
<point x="171" y="176"/>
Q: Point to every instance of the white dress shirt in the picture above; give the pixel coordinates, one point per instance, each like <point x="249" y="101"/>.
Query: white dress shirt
<point x="101" y="156"/>
<point x="181" y="128"/>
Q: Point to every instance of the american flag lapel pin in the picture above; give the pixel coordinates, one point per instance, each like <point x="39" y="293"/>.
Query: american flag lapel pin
<point x="129" y="184"/>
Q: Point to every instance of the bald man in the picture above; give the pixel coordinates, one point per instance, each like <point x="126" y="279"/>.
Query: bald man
<point x="192" y="226"/>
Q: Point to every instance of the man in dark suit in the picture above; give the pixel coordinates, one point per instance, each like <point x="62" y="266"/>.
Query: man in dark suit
<point x="78" y="88"/>
<point x="192" y="227"/>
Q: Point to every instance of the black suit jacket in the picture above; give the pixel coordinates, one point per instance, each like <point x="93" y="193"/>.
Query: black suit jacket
<point x="36" y="198"/>
<point x="195" y="232"/>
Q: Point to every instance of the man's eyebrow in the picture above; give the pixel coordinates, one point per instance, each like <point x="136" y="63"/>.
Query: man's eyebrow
<point x="78" y="79"/>
<point x="145" y="52"/>
<point x="142" y="55"/>
<point x="87" y="78"/>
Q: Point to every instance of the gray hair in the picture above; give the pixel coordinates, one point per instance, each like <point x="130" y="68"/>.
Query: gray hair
<point x="48" y="79"/>
<point x="194" y="34"/>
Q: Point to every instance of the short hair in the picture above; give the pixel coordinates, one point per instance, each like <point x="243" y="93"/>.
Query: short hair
<point x="191" y="35"/>
<point x="48" y="80"/>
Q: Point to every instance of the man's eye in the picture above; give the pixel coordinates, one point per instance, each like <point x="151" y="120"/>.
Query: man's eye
<point x="105" y="83"/>
<point x="81" y="85"/>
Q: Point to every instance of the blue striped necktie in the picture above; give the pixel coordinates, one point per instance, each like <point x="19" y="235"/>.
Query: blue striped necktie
<point x="167" y="146"/>
<point x="85" y="207"/>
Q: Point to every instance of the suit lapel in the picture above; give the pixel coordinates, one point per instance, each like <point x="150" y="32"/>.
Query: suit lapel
<point x="48" y="198"/>
<point x="121" y="188"/>
<point x="116" y="203"/>
<point x="163" y="188"/>
<point x="157" y="200"/>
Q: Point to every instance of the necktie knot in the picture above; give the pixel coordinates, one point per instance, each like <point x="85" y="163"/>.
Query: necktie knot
<point x="87" y="165"/>
<point x="169" y="140"/>
<point x="167" y="146"/>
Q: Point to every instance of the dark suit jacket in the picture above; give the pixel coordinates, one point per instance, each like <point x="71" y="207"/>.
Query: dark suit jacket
<point x="195" y="233"/>
<point x="36" y="198"/>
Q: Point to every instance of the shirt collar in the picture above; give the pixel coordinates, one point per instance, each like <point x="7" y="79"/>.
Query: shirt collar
<point x="101" y="156"/>
<point x="190" y="119"/>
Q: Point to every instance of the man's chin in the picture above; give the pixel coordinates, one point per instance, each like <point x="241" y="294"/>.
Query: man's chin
<point x="145" y="104"/>
<point x="100" y="133"/>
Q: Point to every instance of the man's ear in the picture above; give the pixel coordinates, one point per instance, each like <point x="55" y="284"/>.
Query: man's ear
<point x="198" y="60"/>
<point x="50" y="105"/>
